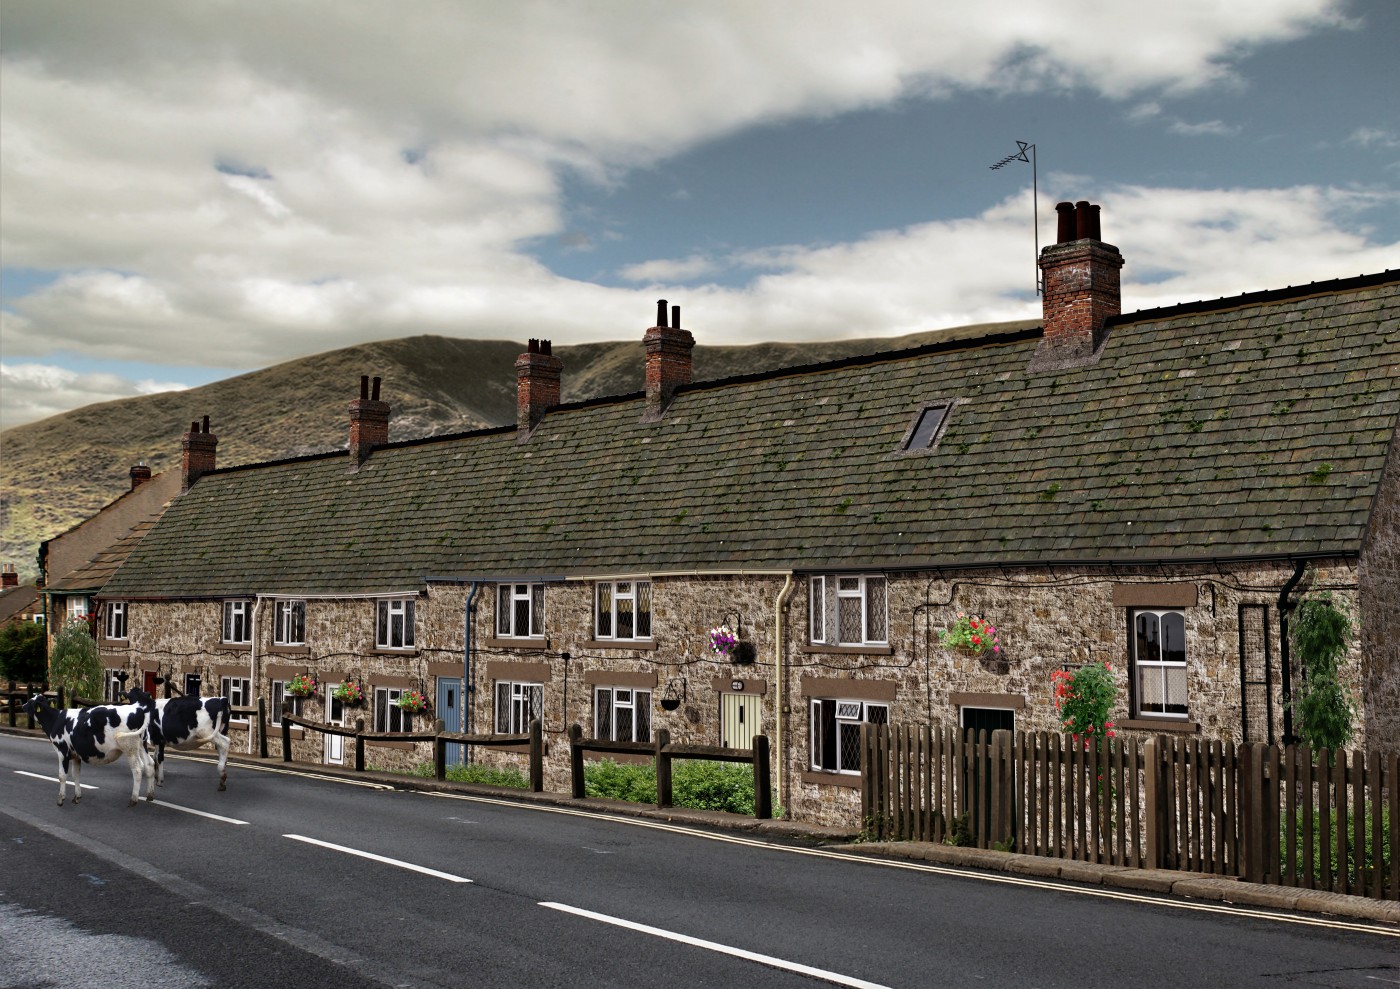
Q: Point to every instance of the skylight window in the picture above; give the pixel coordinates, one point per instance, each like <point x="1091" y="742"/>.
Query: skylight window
<point x="928" y="425"/>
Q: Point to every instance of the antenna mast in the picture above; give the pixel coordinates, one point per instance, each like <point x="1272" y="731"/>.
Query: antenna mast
<point x="1020" y="155"/>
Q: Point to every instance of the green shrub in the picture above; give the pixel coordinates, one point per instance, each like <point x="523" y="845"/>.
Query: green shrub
<point x="1328" y="845"/>
<point x="74" y="663"/>
<point x="695" y="784"/>
<point x="1324" y="708"/>
<point x="22" y="652"/>
<point x="480" y="775"/>
<point x="610" y="780"/>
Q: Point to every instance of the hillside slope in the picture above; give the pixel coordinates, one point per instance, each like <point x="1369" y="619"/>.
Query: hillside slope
<point x="59" y="471"/>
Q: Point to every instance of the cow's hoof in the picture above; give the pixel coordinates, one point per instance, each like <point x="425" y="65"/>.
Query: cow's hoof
<point x="222" y="786"/>
<point x="150" y="798"/>
<point x="60" y="801"/>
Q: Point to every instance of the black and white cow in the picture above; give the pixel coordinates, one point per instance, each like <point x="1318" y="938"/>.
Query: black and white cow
<point x="188" y="723"/>
<point x="100" y="735"/>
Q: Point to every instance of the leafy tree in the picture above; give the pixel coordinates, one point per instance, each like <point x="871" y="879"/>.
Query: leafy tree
<point x="22" y="652"/>
<point x="1325" y="710"/>
<point x="74" y="663"/>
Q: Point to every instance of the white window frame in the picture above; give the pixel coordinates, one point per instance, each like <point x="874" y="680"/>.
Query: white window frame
<point x="111" y="686"/>
<point x="1157" y="666"/>
<point x="608" y="700"/>
<point x="850" y="714"/>
<point x="238" y="692"/>
<point x="518" y="703"/>
<point x="825" y="593"/>
<point x="289" y="622"/>
<point x="75" y="607"/>
<point x="114" y="621"/>
<point x="388" y="716"/>
<point x="513" y="598"/>
<point x="394" y="620"/>
<point x="279" y="694"/>
<point x="237" y="620"/>
<point x="607" y="595"/>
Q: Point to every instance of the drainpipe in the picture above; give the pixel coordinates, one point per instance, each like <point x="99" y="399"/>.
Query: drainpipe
<point x="778" y="747"/>
<point x="467" y="690"/>
<point x="253" y="667"/>
<point x="1285" y="665"/>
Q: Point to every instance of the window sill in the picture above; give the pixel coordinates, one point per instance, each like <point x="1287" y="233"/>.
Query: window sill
<point x="389" y="651"/>
<point x="289" y="650"/>
<point x="847" y="650"/>
<point x="521" y="644"/>
<point x="1159" y="725"/>
<point x="234" y="647"/>
<point x="822" y="778"/>
<point x="641" y="644"/>
<point x="114" y="643"/>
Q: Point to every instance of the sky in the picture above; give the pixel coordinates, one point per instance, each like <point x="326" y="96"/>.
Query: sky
<point x="190" y="191"/>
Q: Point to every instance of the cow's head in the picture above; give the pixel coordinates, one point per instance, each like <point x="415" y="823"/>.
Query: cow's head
<point x="34" y="705"/>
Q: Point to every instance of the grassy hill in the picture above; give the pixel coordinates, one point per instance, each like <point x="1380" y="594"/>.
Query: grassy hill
<point x="61" y="470"/>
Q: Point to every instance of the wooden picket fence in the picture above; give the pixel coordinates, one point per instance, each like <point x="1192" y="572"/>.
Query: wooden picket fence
<point x="1269" y="814"/>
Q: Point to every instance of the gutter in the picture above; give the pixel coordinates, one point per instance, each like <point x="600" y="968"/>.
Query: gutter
<point x="1285" y="663"/>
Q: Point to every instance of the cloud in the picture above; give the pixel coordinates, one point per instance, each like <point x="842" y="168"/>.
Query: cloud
<point x="660" y="270"/>
<point x="1209" y="128"/>
<point x="35" y="391"/>
<point x="1374" y="137"/>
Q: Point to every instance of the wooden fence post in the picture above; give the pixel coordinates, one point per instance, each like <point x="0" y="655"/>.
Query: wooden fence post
<point x="359" y="745"/>
<point x="663" y="768"/>
<point x="576" y="789"/>
<point x="867" y="774"/>
<point x="286" y="732"/>
<point x="262" y="726"/>
<point x="536" y="757"/>
<point x="439" y="753"/>
<point x="1251" y="855"/>
<point x="1152" y="804"/>
<point x="762" y="780"/>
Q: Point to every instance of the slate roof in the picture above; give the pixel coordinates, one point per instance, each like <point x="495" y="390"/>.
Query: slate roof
<point x="93" y="575"/>
<point x="1250" y="427"/>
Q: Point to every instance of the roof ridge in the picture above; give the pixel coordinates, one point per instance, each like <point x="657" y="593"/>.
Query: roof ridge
<point x="1263" y="297"/>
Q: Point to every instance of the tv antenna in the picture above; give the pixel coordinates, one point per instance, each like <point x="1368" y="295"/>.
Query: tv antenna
<point x="1020" y="155"/>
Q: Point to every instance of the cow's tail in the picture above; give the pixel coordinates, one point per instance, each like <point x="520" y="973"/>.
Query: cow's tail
<point x="219" y="713"/>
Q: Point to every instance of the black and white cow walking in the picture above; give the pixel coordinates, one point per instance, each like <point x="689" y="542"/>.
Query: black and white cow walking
<point x="188" y="723"/>
<point x="100" y="735"/>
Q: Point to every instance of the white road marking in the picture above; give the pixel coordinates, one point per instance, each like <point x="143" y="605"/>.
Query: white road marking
<point x="1066" y="886"/>
<point x="723" y="949"/>
<point x="50" y="779"/>
<point x="379" y="858"/>
<point x="288" y="772"/>
<point x="191" y="810"/>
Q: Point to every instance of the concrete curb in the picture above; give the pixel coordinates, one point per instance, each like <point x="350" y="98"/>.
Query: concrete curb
<point x="1191" y="885"/>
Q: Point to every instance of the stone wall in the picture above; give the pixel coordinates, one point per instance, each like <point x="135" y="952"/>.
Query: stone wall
<point x="1045" y="619"/>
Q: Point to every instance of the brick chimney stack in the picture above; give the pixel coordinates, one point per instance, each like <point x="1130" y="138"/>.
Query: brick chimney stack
<point x="537" y="373"/>
<point x="196" y="453"/>
<point x="369" y="422"/>
<point x="668" y="359"/>
<point x="1081" y="289"/>
<point x="8" y="576"/>
<point x="140" y="474"/>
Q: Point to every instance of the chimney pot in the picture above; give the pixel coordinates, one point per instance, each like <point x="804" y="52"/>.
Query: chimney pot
<point x="1081" y="289"/>
<point x="374" y="391"/>
<point x="205" y="428"/>
<point x="660" y="312"/>
<point x="140" y="474"/>
<point x="1065" y="232"/>
<point x="668" y="360"/>
<point x="369" y="423"/>
<point x="9" y="577"/>
<point x="364" y="387"/>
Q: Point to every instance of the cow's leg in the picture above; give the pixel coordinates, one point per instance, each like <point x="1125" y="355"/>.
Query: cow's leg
<point x="76" y="765"/>
<point x="160" y="764"/>
<point x="134" y="748"/>
<point x="63" y="778"/>
<point x="148" y="770"/>
<point x="221" y="745"/>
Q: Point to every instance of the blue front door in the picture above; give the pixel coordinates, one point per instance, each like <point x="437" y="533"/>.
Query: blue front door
<point x="449" y="709"/>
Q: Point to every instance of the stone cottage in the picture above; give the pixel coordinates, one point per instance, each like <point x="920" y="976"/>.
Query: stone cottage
<point x="1154" y="489"/>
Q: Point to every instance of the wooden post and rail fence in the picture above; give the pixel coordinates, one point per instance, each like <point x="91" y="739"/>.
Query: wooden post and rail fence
<point x="1284" y="816"/>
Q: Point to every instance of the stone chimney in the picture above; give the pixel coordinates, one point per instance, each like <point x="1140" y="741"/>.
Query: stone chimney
<point x="196" y="453"/>
<point x="1081" y="290"/>
<point x="369" y="422"/>
<point x="537" y="374"/>
<point x="140" y="474"/>
<point x="8" y="576"/>
<point x="668" y="359"/>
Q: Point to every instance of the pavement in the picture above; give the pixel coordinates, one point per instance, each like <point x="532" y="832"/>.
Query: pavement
<point x="1188" y="885"/>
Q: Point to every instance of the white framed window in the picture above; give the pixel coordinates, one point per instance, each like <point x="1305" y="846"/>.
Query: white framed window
<point x="1158" y="653"/>
<point x="835" y="731"/>
<point x="75" y="607"/>
<point x="279" y="695"/>
<point x="848" y="610"/>
<point x="289" y="623"/>
<point x="517" y="704"/>
<point x="520" y="611"/>
<point x="236" y="691"/>
<point x="388" y="716"/>
<point x="394" y="624"/>
<point x="622" y="714"/>
<point x="623" y="609"/>
<point x="238" y="622"/>
<point x="114" y="620"/>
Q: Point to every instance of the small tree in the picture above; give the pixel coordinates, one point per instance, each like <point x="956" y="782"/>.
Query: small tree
<point x="22" y="652"/>
<point x="1324" y="708"/>
<point x="74" y="663"/>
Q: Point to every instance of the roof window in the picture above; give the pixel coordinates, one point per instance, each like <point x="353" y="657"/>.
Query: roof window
<point x="927" y="429"/>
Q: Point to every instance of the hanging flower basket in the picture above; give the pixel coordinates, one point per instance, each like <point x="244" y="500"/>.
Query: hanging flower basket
<point x="303" y="685"/>
<point x="972" y="634"/>
<point x="349" y="693"/>
<point x="723" y="641"/>
<point x="413" y="702"/>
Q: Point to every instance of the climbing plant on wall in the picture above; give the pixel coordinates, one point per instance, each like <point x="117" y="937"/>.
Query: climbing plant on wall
<point x="1319" y="632"/>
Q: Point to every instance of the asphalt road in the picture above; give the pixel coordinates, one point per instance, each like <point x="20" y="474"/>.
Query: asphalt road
<point x="313" y="882"/>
